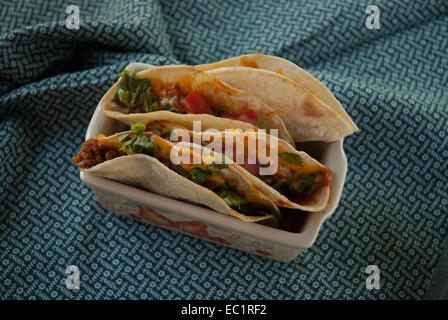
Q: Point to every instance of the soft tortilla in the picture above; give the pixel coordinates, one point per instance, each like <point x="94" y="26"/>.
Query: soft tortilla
<point x="290" y="70"/>
<point x="319" y="202"/>
<point x="306" y="117"/>
<point x="149" y="173"/>
<point x="213" y="90"/>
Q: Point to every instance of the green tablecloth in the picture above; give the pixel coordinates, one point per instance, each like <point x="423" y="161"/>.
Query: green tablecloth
<point x="392" y="81"/>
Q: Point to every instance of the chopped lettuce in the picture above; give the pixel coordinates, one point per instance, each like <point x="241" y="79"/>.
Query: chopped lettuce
<point x="128" y="145"/>
<point x="239" y="202"/>
<point x="198" y="174"/>
<point x="291" y="158"/>
<point x="138" y="127"/>
<point x="140" y="144"/>
<point x="302" y="185"/>
<point x="133" y="92"/>
<point x="232" y="198"/>
<point x="143" y="143"/>
<point x="124" y="137"/>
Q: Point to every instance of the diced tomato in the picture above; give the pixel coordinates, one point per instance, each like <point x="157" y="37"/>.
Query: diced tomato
<point x="195" y="103"/>
<point x="249" y="115"/>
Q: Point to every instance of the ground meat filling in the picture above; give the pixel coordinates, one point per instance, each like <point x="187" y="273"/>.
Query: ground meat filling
<point x="92" y="153"/>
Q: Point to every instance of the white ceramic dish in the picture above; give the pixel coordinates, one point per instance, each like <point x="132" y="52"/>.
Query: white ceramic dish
<point x="204" y="223"/>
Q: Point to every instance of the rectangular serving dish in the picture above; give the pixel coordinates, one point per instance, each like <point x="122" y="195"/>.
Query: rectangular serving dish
<point x="193" y="220"/>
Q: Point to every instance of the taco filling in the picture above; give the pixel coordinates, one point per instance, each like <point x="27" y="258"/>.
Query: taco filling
<point x="142" y="95"/>
<point x="296" y="178"/>
<point x="214" y="176"/>
<point x="297" y="181"/>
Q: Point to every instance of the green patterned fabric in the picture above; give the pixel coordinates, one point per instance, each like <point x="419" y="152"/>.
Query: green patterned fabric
<point x="392" y="81"/>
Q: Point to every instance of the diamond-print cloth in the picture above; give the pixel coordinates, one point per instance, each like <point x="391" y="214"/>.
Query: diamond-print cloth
<point x="392" y="81"/>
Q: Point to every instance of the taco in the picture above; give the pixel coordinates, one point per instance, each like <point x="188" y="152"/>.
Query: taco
<point x="143" y="159"/>
<point x="306" y="105"/>
<point x="183" y="94"/>
<point x="290" y="178"/>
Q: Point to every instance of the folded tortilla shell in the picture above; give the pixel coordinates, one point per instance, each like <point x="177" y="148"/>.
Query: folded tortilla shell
<point x="291" y="71"/>
<point x="147" y="172"/>
<point x="319" y="201"/>
<point x="214" y="91"/>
